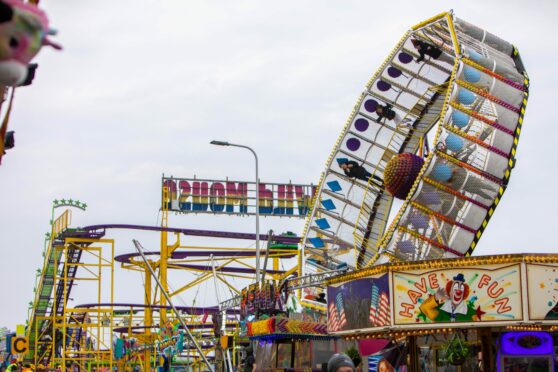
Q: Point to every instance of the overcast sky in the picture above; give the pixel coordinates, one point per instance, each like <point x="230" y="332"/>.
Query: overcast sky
<point x="142" y="87"/>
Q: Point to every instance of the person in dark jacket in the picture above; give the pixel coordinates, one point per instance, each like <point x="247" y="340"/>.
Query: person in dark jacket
<point x="352" y="169"/>
<point x="386" y="112"/>
<point x="250" y="361"/>
<point x="426" y="49"/>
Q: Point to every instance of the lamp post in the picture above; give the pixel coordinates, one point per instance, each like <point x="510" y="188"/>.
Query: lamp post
<point x="223" y="143"/>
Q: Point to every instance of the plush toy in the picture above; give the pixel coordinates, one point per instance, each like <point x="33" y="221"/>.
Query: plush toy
<point x="23" y="31"/>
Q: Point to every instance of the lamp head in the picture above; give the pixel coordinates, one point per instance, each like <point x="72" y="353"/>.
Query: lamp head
<point x="219" y="143"/>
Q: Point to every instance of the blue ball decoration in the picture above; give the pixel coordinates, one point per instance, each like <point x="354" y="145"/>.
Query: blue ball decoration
<point x="474" y="55"/>
<point x="459" y="119"/>
<point x="441" y="172"/>
<point x="472" y="75"/>
<point x="466" y="97"/>
<point x="454" y="142"/>
<point x="405" y="246"/>
<point x="419" y="220"/>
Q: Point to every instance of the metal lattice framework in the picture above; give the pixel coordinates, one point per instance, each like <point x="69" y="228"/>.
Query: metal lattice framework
<point x="61" y="333"/>
<point x="466" y="87"/>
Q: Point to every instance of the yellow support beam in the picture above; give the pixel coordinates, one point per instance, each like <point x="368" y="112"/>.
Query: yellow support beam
<point x="456" y="46"/>
<point x="429" y="20"/>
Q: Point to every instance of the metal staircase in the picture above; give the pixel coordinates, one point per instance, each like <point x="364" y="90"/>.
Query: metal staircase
<point x="49" y="302"/>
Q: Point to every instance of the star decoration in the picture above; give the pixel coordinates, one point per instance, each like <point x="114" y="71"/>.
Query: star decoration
<point x="542" y="285"/>
<point x="70" y="201"/>
<point x="480" y="313"/>
<point x="55" y="201"/>
<point x="63" y="201"/>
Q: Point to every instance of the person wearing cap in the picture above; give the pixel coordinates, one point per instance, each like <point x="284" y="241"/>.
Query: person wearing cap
<point x="340" y="363"/>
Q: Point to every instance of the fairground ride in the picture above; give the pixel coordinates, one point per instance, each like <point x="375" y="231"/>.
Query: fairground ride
<point x="62" y="334"/>
<point x="446" y="82"/>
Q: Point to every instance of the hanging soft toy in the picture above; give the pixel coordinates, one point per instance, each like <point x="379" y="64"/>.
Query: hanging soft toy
<point x="23" y="31"/>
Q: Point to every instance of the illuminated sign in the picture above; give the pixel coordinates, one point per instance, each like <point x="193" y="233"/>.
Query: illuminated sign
<point x="189" y="195"/>
<point x="490" y="293"/>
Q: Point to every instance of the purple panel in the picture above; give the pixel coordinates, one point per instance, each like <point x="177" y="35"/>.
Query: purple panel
<point x="189" y="309"/>
<point x="394" y="72"/>
<point x="383" y="86"/>
<point x="183" y="254"/>
<point x="513" y="343"/>
<point x="241" y="270"/>
<point x="361" y="124"/>
<point x="405" y="57"/>
<point x="353" y="144"/>
<point x="191" y="232"/>
<point x="370" y="105"/>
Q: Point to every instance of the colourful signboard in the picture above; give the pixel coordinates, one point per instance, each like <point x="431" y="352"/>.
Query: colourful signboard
<point x="190" y="195"/>
<point x="358" y="304"/>
<point x="542" y="284"/>
<point x="468" y="294"/>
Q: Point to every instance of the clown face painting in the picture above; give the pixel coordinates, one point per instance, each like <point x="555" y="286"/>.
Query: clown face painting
<point x="450" y="304"/>
<point x="456" y="293"/>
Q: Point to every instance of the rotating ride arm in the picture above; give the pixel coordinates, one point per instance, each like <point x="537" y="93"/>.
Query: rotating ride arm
<point x="443" y="73"/>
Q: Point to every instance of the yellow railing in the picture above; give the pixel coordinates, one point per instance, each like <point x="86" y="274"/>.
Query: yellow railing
<point x="61" y="223"/>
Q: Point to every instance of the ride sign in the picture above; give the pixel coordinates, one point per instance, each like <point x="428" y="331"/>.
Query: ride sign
<point x="20" y="345"/>
<point x="191" y="195"/>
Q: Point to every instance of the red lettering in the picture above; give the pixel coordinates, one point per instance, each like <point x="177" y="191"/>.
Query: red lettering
<point x="217" y="203"/>
<point x="422" y="286"/>
<point x="281" y="196"/>
<point x="414" y="296"/>
<point x="433" y="280"/>
<point x="406" y="313"/>
<point x="484" y="280"/>
<point x="266" y="199"/>
<point x="171" y="185"/>
<point x="502" y="305"/>
<point x="492" y="293"/>
<point x="289" y="195"/>
<point x="200" y="191"/>
<point x="185" y="190"/>
<point x="237" y="195"/>
<point x="302" y="200"/>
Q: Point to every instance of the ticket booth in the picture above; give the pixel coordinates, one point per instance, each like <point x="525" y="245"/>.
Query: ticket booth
<point x="526" y="352"/>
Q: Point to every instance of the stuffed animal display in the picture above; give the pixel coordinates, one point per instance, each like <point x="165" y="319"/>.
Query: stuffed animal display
<point x="23" y="31"/>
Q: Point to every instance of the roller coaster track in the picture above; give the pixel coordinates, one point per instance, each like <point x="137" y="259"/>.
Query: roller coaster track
<point x="49" y="302"/>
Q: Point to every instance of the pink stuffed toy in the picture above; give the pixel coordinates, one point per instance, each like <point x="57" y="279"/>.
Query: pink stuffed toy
<point x="23" y="31"/>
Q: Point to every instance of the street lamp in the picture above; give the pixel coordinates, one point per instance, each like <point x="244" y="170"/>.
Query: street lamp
<point x="224" y="143"/>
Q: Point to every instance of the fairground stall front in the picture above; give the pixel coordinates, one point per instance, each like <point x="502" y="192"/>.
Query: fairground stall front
<point x="489" y="313"/>
<point x="284" y="335"/>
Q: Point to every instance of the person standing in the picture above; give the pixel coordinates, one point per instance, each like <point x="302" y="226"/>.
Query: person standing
<point x="340" y="363"/>
<point x="250" y="361"/>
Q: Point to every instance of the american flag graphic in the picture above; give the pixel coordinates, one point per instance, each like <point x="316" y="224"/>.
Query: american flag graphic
<point x="340" y="310"/>
<point x="382" y="315"/>
<point x="332" y="319"/>
<point x="374" y="304"/>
